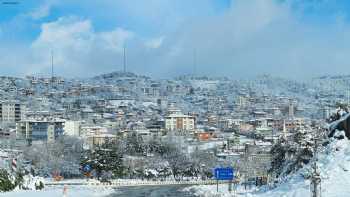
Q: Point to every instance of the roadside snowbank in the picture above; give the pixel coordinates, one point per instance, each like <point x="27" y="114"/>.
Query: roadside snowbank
<point x="31" y="182"/>
<point x="83" y="191"/>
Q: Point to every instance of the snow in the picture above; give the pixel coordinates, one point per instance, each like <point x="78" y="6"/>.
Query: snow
<point x="86" y="191"/>
<point x="210" y="84"/>
<point x="30" y="182"/>
<point x="148" y="104"/>
<point x="153" y="172"/>
<point x="333" y="163"/>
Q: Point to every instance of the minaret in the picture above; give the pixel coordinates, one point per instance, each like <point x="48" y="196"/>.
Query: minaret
<point x="291" y="109"/>
<point x="284" y="130"/>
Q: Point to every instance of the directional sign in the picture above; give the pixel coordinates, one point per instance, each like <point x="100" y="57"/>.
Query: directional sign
<point x="87" y="168"/>
<point x="224" y="173"/>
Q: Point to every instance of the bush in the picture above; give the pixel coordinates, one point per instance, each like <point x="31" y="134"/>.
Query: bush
<point x="39" y="186"/>
<point x="5" y="181"/>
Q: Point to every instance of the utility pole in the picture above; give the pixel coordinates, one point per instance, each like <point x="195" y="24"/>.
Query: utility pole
<point x="194" y="62"/>
<point x="348" y="95"/>
<point x="315" y="185"/>
<point x="52" y="74"/>
<point x="124" y="59"/>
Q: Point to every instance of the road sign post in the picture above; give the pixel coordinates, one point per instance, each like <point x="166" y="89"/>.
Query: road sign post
<point x="217" y="185"/>
<point x="87" y="170"/>
<point x="224" y="174"/>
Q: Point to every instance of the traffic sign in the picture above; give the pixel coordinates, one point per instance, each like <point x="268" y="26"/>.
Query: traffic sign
<point x="224" y="173"/>
<point x="87" y="168"/>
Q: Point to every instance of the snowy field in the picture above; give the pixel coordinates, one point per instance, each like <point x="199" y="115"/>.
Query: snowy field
<point x="334" y="164"/>
<point x="73" y="191"/>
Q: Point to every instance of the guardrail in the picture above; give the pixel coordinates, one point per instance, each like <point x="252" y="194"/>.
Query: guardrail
<point x="124" y="183"/>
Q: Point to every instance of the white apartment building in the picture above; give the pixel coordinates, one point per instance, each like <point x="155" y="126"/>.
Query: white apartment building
<point x="72" y="128"/>
<point x="179" y="121"/>
<point x="11" y="112"/>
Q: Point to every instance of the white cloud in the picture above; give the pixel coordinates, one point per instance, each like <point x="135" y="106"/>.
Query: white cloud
<point x="255" y="37"/>
<point x="154" y="43"/>
<point x="66" y="32"/>
<point x="43" y="10"/>
<point x="114" y="40"/>
<point x="76" y="46"/>
<point x="251" y="37"/>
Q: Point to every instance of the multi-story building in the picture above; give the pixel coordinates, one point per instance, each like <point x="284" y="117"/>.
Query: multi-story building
<point x="179" y="121"/>
<point x="39" y="130"/>
<point x="72" y="128"/>
<point x="11" y="111"/>
<point x="96" y="136"/>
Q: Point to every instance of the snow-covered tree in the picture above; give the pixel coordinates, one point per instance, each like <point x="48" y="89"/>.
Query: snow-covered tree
<point x="291" y="154"/>
<point x="104" y="159"/>
<point x="9" y="181"/>
<point x="59" y="157"/>
<point x="203" y="163"/>
<point x="134" y="144"/>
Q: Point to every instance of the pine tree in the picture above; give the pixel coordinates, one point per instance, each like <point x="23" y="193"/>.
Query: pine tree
<point x="104" y="159"/>
<point x="5" y="181"/>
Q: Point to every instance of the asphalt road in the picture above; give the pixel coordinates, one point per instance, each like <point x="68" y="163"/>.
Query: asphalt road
<point x="151" y="191"/>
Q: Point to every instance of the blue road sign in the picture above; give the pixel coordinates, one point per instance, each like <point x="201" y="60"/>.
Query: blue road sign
<point x="224" y="173"/>
<point x="87" y="168"/>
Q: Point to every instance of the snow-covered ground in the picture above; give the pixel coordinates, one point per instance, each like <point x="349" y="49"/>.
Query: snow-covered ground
<point x="334" y="165"/>
<point x="81" y="191"/>
<point x="333" y="162"/>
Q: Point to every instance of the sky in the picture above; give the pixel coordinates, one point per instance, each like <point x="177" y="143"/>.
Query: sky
<point x="166" y="38"/>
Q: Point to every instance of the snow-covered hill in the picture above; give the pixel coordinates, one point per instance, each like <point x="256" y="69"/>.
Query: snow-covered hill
<point x="334" y="165"/>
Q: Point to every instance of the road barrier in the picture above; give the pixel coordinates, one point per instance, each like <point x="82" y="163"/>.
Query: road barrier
<point x="133" y="182"/>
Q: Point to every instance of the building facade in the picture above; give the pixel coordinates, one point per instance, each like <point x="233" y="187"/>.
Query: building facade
<point x="179" y="121"/>
<point x="11" y="112"/>
<point x="72" y="128"/>
<point x="39" y="130"/>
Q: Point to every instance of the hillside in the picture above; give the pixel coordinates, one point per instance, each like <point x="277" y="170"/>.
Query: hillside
<point x="334" y="166"/>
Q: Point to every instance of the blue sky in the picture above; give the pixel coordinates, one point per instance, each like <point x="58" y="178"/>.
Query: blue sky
<point x="292" y="38"/>
<point x="103" y="16"/>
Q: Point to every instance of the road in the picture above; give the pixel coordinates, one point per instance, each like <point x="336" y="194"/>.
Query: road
<point x="152" y="191"/>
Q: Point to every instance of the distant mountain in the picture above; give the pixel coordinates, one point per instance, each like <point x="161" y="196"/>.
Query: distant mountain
<point x="333" y="77"/>
<point x="115" y="75"/>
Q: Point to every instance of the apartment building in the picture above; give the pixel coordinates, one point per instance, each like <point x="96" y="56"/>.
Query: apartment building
<point x="72" y="128"/>
<point x="11" y="112"/>
<point x="39" y="130"/>
<point x="176" y="120"/>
